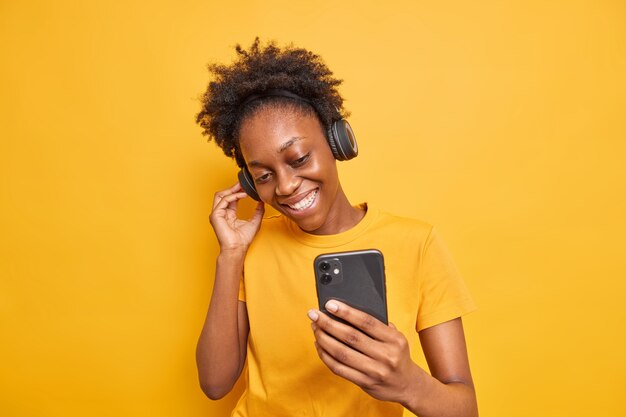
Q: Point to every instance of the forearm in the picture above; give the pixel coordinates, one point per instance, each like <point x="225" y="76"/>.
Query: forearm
<point x="219" y="351"/>
<point x="429" y="397"/>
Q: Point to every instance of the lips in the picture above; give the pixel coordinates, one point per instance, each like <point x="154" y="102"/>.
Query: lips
<point x="303" y="203"/>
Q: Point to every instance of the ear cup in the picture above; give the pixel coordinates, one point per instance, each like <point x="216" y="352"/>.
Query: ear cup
<point x="333" y="144"/>
<point x="247" y="183"/>
<point x="342" y="141"/>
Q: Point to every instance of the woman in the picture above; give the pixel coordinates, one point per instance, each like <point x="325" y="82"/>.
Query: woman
<point x="278" y="113"/>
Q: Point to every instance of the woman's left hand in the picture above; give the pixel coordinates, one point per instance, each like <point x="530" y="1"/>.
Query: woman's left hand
<point x="377" y="358"/>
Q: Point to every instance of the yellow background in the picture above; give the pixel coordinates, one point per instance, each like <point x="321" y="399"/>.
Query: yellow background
<point x="503" y="123"/>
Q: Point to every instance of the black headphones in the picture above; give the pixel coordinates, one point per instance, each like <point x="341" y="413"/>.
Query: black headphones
<point x="340" y="139"/>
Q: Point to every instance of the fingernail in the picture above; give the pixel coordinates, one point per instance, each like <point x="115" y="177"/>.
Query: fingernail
<point x="312" y="315"/>
<point x="332" y="307"/>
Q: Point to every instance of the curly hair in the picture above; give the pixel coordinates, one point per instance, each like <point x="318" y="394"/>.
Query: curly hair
<point x="260" y="69"/>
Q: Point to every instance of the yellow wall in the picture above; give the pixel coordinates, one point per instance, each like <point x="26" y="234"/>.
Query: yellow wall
<point x="503" y="123"/>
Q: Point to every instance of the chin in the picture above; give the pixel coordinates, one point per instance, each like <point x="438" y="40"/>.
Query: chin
<point x="308" y="227"/>
<point x="308" y="224"/>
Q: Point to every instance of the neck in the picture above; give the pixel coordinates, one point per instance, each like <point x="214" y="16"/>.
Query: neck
<point x="342" y="217"/>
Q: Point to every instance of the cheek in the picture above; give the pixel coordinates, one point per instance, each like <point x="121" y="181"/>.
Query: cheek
<point x="324" y="158"/>
<point x="266" y="192"/>
<point x="328" y="167"/>
<point x="323" y="170"/>
<point x="326" y="153"/>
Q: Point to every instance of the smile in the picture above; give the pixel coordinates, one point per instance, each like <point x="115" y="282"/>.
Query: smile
<point x="305" y="202"/>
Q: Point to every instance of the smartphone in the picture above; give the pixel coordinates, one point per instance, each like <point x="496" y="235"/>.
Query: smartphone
<point x="356" y="278"/>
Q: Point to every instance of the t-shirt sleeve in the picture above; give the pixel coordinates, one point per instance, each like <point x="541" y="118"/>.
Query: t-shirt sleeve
<point x="442" y="293"/>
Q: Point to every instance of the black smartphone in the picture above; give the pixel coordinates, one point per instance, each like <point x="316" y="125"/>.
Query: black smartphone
<point x="356" y="278"/>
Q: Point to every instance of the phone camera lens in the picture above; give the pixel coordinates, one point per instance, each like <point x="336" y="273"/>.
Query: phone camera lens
<point x="324" y="266"/>
<point x="326" y="278"/>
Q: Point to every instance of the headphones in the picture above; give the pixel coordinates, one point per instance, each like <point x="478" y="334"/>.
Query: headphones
<point x="340" y="139"/>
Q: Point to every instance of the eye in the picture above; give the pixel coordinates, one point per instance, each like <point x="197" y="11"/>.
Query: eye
<point x="300" y="161"/>
<point x="263" y="178"/>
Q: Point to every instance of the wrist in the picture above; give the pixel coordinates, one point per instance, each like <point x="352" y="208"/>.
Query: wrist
<point x="415" y="390"/>
<point x="232" y="254"/>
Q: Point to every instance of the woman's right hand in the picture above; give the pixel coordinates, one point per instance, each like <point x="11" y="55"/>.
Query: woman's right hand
<point x="234" y="234"/>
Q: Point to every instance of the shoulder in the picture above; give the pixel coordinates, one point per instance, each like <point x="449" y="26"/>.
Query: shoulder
<point x="403" y="225"/>
<point x="274" y="230"/>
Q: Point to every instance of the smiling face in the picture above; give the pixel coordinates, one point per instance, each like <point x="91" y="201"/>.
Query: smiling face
<point x="294" y="169"/>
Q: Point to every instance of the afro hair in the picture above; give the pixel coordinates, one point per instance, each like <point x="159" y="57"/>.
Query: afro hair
<point x="258" y="70"/>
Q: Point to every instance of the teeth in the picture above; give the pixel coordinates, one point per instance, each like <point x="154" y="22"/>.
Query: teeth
<point x="305" y="202"/>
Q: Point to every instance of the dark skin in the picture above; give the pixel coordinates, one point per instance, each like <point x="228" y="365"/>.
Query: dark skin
<point x="295" y="172"/>
<point x="289" y="158"/>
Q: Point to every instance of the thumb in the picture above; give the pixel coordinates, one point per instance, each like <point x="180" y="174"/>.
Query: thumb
<point x="258" y="212"/>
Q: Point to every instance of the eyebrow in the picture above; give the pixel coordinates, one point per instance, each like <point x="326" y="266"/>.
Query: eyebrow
<point x="282" y="147"/>
<point x="289" y="143"/>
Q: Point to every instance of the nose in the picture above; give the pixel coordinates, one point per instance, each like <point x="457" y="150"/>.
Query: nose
<point x="287" y="183"/>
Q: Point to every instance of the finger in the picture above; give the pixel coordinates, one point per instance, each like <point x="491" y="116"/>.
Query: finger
<point x="258" y="212"/>
<point x="223" y="193"/>
<point x="361" y="320"/>
<point x="235" y="188"/>
<point x="347" y="334"/>
<point x="343" y="353"/>
<point x="343" y="370"/>
<point x="225" y="202"/>
<point x="227" y="199"/>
